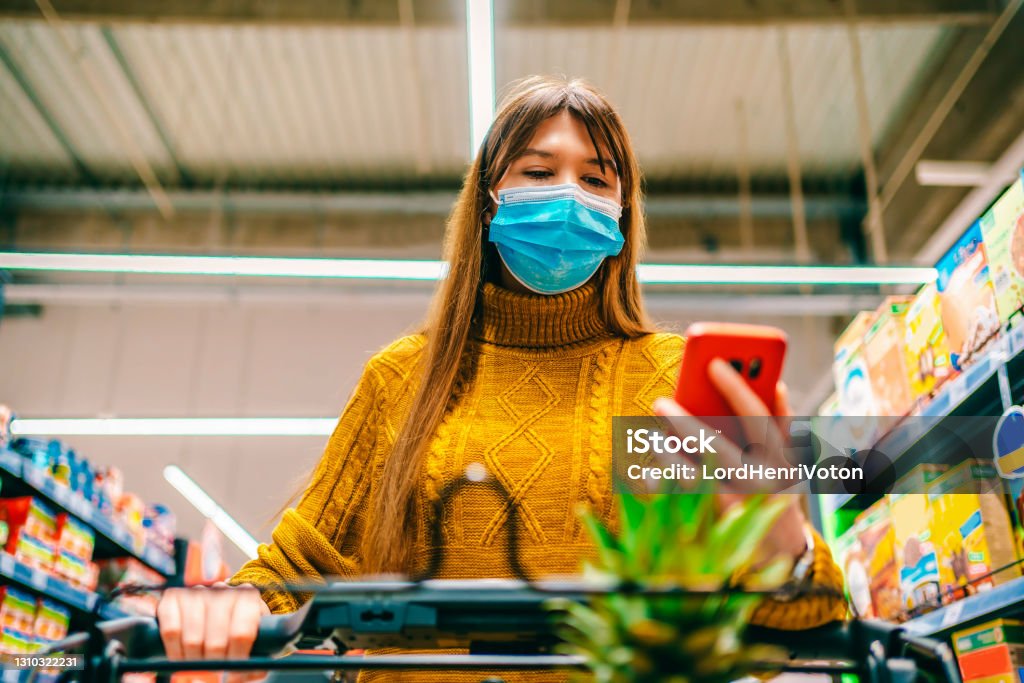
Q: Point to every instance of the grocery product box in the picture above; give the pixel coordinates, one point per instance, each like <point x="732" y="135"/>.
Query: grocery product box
<point x="966" y="298"/>
<point x="31" y="530"/>
<point x="913" y="545"/>
<point x="1002" y="228"/>
<point x="876" y="541"/>
<point x="75" y="545"/>
<point x="850" y="369"/>
<point x="971" y="529"/>
<point x="74" y="538"/>
<point x="17" y="621"/>
<point x="851" y="558"/>
<point x="886" y="359"/>
<point x="992" y="652"/>
<point x="51" y="623"/>
<point x="925" y="348"/>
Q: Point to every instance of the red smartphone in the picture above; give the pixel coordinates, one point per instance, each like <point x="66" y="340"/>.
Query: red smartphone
<point x="755" y="351"/>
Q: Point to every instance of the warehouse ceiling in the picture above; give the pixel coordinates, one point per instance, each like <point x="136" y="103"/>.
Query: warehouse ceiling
<point x="268" y="97"/>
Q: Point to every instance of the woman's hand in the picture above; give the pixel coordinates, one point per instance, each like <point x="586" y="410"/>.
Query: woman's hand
<point x="212" y="623"/>
<point x="787" y="536"/>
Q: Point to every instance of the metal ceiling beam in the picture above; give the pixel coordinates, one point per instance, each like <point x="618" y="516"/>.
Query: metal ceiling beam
<point x="44" y="113"/>
<point x="154" y="120"/>
<point x="438" y="202"/>
<point x="972" y="206"/>
<point x="266" y="295"/>
<point x="980" y="124"/>
<point x="946" y="88"/>
<point x="516" y="12"/>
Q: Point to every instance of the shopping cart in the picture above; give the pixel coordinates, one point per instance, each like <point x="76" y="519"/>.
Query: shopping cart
<point x="503" y="625"/>
<point x="500" y="624"/>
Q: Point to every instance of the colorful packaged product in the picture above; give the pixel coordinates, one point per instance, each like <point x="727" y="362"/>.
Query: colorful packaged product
<point x="161" y="527"/>
<point x="74" y="538"/>
<point x="971" y="529"/>
<point x="130" y="509"/>
<point x="17" y="621"/>
<point x="966" y="298"/>
<point x="1002" y="228"/>
<point x="876" y="541"/>
<point x="31" y="530"/>
<point x="924" y="344"/>
<point x="992" y="652"/>
<point x="849" y="367"/>
<point x="883" y="350"/>
<point x="52" y="621"/>
<point x="851" y="558"/>
<point x="916" y="558"/>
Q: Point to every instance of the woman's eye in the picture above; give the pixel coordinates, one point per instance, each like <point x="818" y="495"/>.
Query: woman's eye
<point x="596" y="182"/>
<point x="537" y="175"/>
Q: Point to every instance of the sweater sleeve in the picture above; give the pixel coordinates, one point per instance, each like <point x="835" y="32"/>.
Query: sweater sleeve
<point x="305" y="543"/>
<point x="810" y="610"/>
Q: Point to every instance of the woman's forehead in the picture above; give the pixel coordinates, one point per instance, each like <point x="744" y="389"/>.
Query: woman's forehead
<point x="565" y="135"/>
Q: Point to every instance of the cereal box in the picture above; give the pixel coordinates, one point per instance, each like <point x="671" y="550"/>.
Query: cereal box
<point x="883" y="349"/>
<point x="966" y="298"/>
<point x="924" y="343"/>
<point x="851" y="558"/>
<point x="992" y="652"/>
<point x="916" y="560"/>
<point x="876" y="541"/>
<point x="1002" y="228"/>
<point x="971" y="529"/>
<point x="849" y="366"/>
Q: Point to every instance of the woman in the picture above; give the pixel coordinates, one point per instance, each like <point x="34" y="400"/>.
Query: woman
<point x="536" y="338"/>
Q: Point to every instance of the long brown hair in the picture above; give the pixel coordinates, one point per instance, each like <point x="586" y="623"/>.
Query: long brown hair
<point x="471" y="260"/>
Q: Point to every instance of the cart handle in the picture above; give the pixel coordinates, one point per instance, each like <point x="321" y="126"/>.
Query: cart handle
<point x="139" y="637"/>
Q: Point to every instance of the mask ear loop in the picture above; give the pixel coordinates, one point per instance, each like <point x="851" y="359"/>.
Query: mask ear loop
<point x="483" y="181"/>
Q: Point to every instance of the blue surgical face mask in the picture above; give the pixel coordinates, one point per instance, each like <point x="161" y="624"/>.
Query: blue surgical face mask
<point x="554" y="238"/>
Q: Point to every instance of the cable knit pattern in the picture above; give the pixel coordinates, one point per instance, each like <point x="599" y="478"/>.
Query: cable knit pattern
<point x="598" y="485"/>
<point x="534" y="402"/>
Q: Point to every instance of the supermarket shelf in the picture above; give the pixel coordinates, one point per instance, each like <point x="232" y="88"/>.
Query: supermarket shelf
<point x="1001" y="601"/>
<point x="112" y="538"/>
<point x="53" y="587"/>
<point x="975" y="391"/>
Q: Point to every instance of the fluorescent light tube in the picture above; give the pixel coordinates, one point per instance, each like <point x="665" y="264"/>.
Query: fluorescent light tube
<point x="664" y="273"/>
<point x="251" y="266"/>
<point x="959" y="174"/>
<point x="388" y="269"/>
<point x="209" y="508"/>
<point x="175" y="426"/>
<point x="480" y="62"/>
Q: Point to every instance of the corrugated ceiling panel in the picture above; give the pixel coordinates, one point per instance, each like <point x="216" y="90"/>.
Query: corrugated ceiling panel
<point x="290" y="103"/>
<point x="678" y="88"/>
<point x="286" y="104"/>
<point x="58" y="78"/>
<point x="26" y="142"/>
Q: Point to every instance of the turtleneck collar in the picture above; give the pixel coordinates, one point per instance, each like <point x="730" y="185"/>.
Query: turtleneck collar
<point x="540" y="320"/>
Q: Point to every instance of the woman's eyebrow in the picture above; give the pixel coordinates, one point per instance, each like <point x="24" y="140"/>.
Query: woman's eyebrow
<point x="544" y="154"/>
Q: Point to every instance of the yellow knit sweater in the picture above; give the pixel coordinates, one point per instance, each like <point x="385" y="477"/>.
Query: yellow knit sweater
<point x="537" y="413"/>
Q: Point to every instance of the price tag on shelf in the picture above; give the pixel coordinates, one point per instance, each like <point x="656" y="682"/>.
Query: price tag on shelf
<point x="6" y="564"/>
<point x="34" y="476"/>
<point x="81" y="508"/>
<point x="39" y="580"/>
<point x="957" y="391"/>
<point x="122" y="536"/>
<point x="952" y="614"/>
<point x="62" y="495"/>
